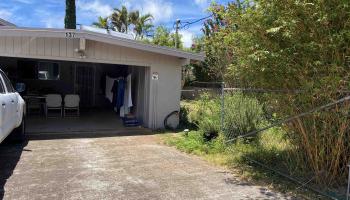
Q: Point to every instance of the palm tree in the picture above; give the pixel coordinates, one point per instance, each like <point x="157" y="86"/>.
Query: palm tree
<point x="120" y="19"/>
<point x="134" y="16"/>
<point x="143" y="25"/>
<point x="102" y="22"/>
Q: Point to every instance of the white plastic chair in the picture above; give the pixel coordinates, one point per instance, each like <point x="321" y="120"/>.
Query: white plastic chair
<point x="71" y="102"/>
<point x="53" y="102"/>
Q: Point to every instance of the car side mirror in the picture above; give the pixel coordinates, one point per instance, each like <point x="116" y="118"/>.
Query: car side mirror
<point x="20" y="87"/>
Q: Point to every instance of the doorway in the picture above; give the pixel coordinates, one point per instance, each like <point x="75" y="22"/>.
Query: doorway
<point x="84" y="84"/>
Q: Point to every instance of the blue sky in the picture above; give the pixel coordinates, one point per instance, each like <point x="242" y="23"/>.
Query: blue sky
<point x="50" y="13"/>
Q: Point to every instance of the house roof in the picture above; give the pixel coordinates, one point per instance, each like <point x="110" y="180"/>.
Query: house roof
<point x="100" y="37"/>
<point x="5" y="23"/>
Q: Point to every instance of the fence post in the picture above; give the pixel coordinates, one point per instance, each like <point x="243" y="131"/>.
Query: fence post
<point x="348" y="189"/>
<point x="222" y="105"/>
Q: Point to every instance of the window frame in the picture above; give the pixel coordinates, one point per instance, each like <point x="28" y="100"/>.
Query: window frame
<point x="53" y="64"/>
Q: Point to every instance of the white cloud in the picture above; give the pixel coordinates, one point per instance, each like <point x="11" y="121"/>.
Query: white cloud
<point x="201" y="2"/>
<point x="162" y="10"/>
<point x="50" y="20"/>
<point x="6" y="14"/>
<point x="94" y="8"/>
<point x="53" y="22"/>
<point x="25" y="1"/>
<point x="187" y="37"/>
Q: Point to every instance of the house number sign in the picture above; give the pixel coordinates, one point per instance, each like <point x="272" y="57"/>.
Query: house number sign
<point x="70" y="35"/>
<point x="155" y="76"/>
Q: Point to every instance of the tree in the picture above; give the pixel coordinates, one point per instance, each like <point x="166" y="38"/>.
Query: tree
<point x="143" y="25"/>
<point x="70" y="20"/>
<point x="292" y="45"/>
<point x="176" y="38"/>
<point x="102" y="23"/>
<point x="120" y="19"/>
<point x="134" y="17"/>
<point x="218" y="56"/>
<point x="162" y="36"/>
<point x="201" y="70"/>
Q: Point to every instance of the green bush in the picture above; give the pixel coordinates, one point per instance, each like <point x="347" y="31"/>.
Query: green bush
<point x="195" y="143"/>
<point x="210" y="128"/>
<point x="184" y="121"/>
<point x="207" y="117"/>
<point x="242" y="115"/>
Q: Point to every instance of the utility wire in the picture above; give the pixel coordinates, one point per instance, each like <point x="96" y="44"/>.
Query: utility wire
<point x="186" y="24"/>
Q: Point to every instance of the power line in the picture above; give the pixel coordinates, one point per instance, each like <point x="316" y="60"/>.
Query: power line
<point x="185" y="25"/>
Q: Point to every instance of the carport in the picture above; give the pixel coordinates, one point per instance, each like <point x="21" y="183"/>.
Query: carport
<point x="78" y="61"/>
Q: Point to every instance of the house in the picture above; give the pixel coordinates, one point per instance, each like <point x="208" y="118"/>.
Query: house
<point x="65" y="61"/>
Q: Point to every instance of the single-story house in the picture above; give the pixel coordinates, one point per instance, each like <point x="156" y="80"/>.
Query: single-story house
<point x="66" y="61"/>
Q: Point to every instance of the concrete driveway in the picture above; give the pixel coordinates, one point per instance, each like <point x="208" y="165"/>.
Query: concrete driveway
<point x="125" y="167"/>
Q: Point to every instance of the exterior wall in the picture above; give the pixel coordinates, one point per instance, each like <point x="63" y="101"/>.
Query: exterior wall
<point x="163" y="94"/>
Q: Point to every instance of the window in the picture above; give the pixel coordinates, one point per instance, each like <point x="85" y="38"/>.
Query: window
<point x="34" y="70"/>
<point x="48" y="71"/>
<point x="7" y="83"/>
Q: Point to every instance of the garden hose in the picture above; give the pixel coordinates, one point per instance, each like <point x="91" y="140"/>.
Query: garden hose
<point x="167" y="117"/>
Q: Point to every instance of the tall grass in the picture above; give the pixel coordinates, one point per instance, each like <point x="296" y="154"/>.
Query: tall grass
<point x="323" y="144"/>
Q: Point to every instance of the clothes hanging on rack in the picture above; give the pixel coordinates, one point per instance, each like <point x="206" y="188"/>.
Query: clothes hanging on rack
<point x="120" y="93"/>
<point x="125" y="109"/>
<point x="109" y="85"/>
<point x="129" y="91"/>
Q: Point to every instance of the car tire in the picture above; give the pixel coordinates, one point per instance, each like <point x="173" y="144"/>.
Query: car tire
<point x="19" y="133"/>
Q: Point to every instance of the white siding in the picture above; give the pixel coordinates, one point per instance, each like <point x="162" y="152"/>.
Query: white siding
<point x="64" y="49"/>
<point x="25" y="45"/>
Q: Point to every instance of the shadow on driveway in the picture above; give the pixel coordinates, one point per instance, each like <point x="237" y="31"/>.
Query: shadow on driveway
<point x="10" y="154"/>
<point x="88" y="134"/>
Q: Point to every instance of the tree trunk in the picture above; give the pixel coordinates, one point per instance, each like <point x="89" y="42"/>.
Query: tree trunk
<point x="70" y="19"/>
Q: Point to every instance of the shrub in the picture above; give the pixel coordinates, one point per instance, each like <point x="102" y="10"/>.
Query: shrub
<point x="195" y="143"/>
<point x="184" y="121"/>
<point x="205" y="114"/>
<point x="210" y="128"/>
<point x="242" y="114"/>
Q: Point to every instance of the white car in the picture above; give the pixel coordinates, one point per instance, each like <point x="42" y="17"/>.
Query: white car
<point x="12" y="111"/>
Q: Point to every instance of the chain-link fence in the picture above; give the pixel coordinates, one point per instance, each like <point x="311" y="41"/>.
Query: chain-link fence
<point x="275" y="130"/>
